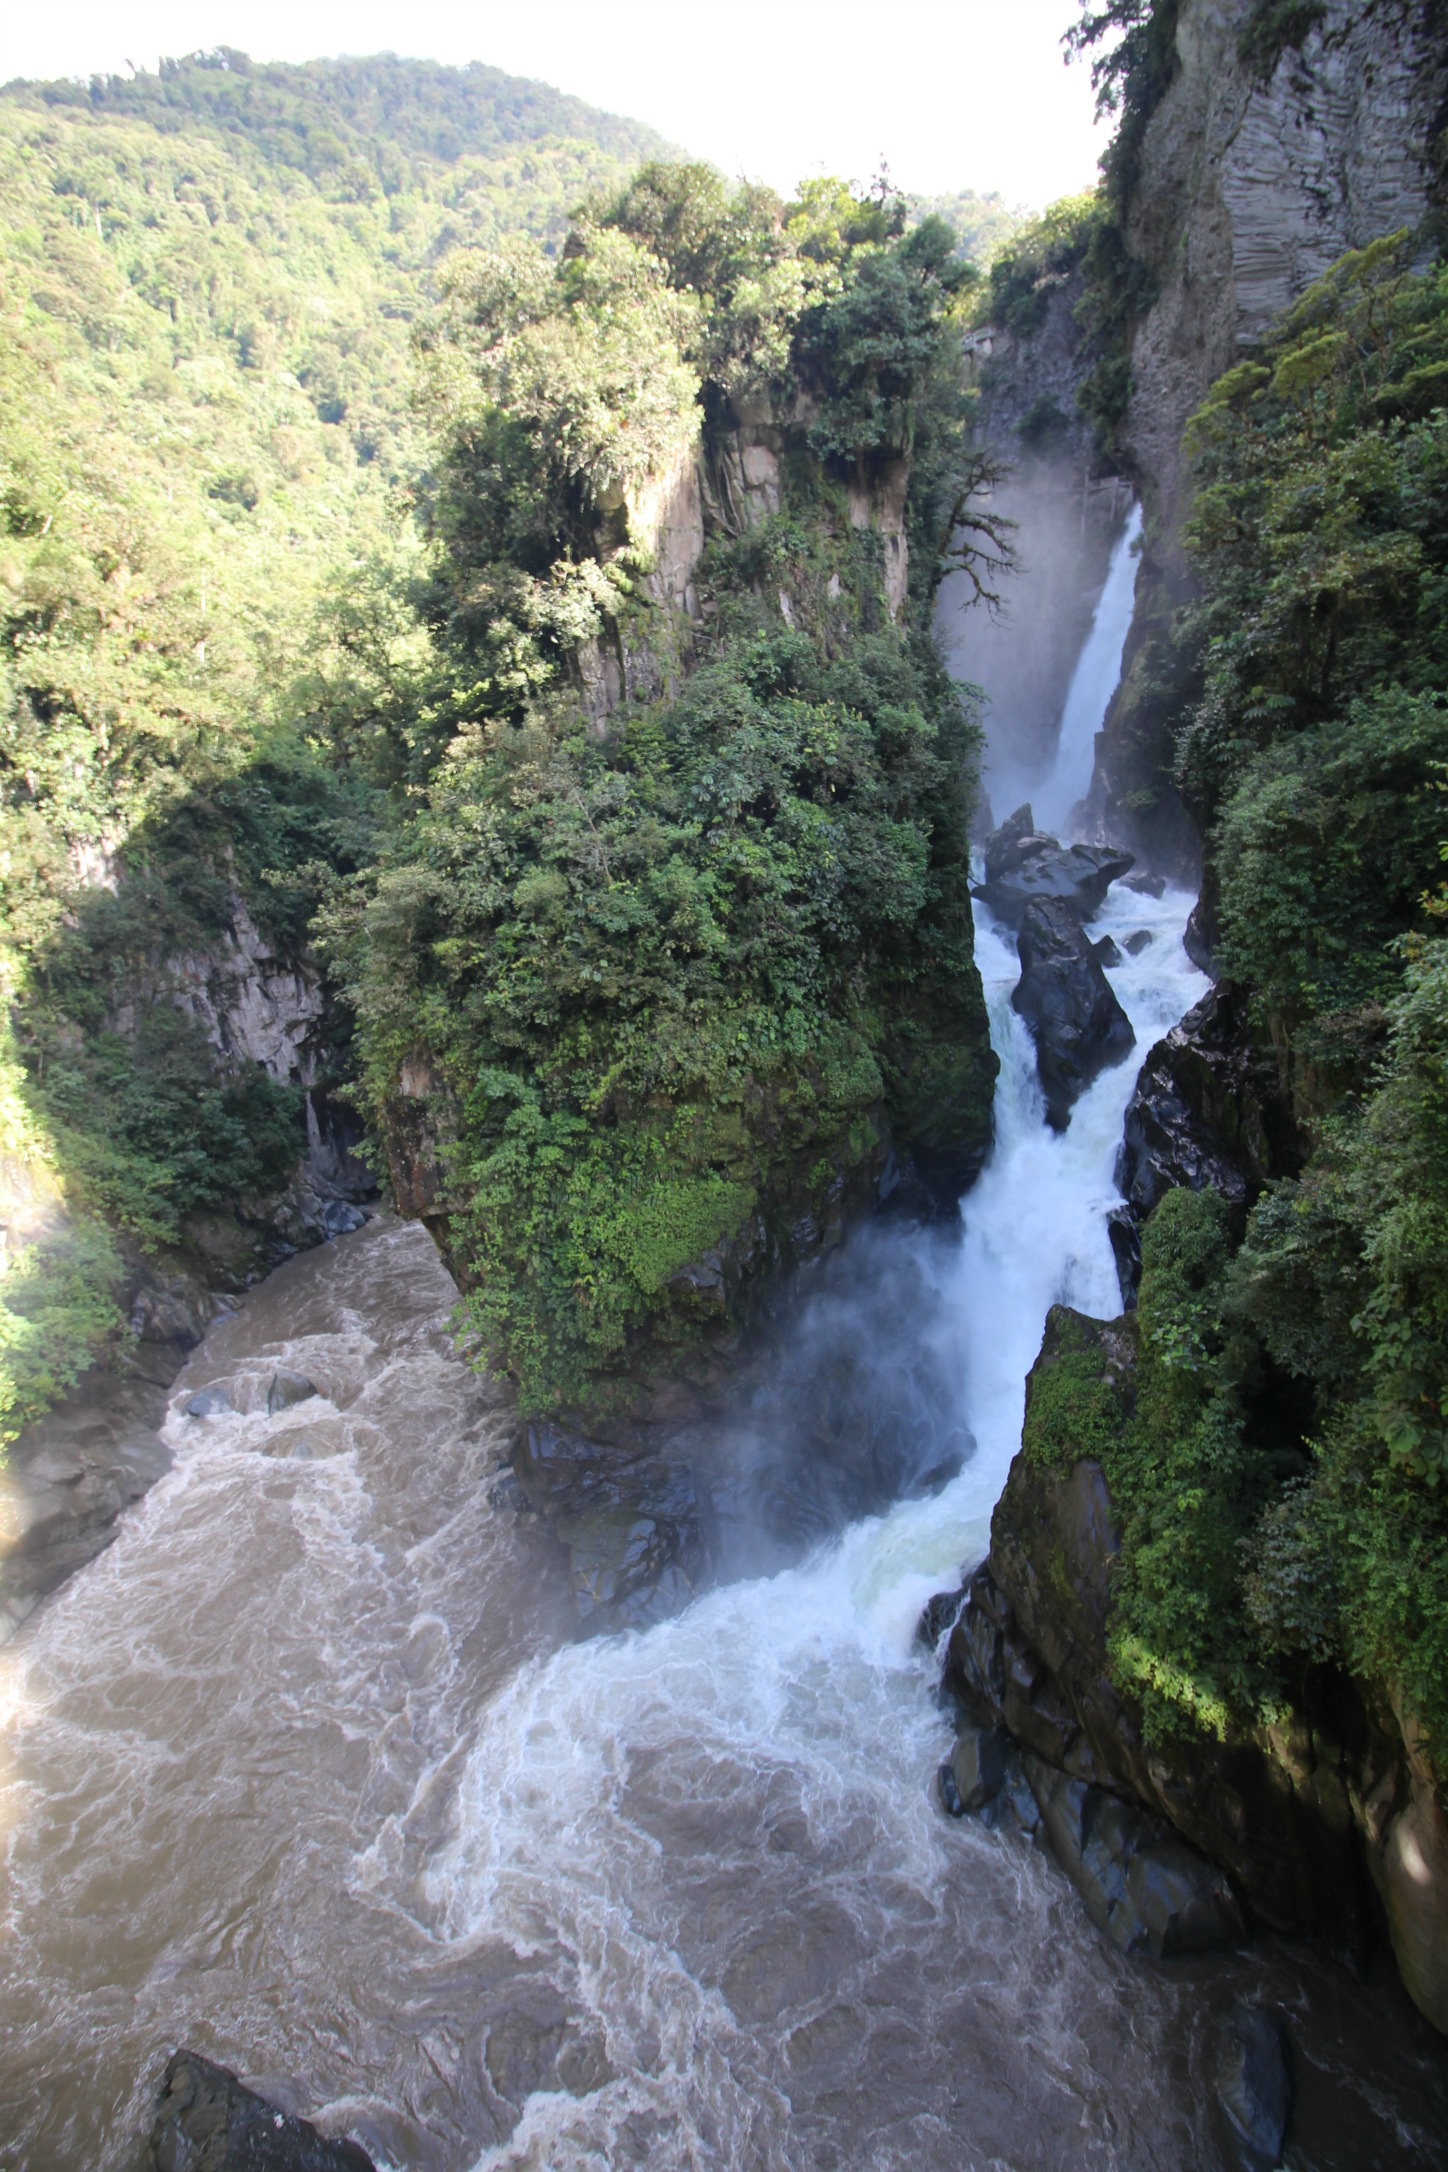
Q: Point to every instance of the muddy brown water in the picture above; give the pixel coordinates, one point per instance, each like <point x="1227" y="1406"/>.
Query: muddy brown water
<point x="307" y="1773"/>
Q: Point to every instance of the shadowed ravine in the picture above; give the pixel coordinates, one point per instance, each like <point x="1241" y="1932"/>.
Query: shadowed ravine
<point x="307" y="1772"/>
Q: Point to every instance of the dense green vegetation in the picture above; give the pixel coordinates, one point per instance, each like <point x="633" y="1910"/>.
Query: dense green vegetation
<point x="209" y="661"/>
<point x="982" y="225"/>
<point x="257" y="598"/>
<point x="1284" y="1481"/>
<point x="668" y="971"/>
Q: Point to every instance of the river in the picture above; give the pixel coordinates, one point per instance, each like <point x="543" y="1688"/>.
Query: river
<point x="307" y="1772"/>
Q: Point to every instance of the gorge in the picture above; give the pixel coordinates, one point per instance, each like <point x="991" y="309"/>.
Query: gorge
<point x="827" y="1545"/>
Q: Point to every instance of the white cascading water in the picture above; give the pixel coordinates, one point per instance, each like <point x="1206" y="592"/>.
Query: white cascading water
<point x="303" y="1772"/>
<point x="1093" y="683"/>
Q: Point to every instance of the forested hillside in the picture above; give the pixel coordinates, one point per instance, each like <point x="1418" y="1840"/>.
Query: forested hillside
<point x="676" y="954"/>
<point x="208" y="281"/>
<point x="254" y="593"/>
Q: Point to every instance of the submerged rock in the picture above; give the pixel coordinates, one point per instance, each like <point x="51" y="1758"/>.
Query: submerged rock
<point x="208" y="2121"/>
<point x="1254" y="2085"/>
<point x="286" y="1389"/>
<point x="1077" y="1024"/>
<point x="209" y="1403"/>
<point x="1141" y="940"/>
<point x="937" y="1616"/>
<point x="1024" y="864"/>
<point x="1106" y="952"/>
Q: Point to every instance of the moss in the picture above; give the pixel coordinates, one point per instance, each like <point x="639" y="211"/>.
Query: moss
<point x="1077" y="1401"/>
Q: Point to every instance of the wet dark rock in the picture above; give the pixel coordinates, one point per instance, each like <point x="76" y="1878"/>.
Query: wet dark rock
<point x="67" y="1480"/>
<point x="507" y="1496"/>
<point x="1207" y="1112"/>
<point x="1124" y="1232"/>
<point x="208" y="2121"/>
<point x="1145" y="885"/>
<point x="1142" y="940"/>
<point x="1023" y="864"/>
<point x="341" y="1216"/>
<point x="978" y="1766"/>
<point x="1254" y="2085"/>
<point x="1106" y="952"/>
<point x="1141" y="1883"/>
<point x="209" y="1403"/>
<point x="630" y="1570"/>
<point x="936" y="1617"/>
<point x="631" y="1522"/>
<point x="1077" y="1024"/>
<point x="175" y="1313"/>
<point x="1197" y="940"/>
<point x="856" y="1406"/>
<point x="286" y="1389"/>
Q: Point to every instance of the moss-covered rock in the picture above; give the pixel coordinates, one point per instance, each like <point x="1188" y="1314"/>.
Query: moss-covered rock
<point x="1309" y="1808"/>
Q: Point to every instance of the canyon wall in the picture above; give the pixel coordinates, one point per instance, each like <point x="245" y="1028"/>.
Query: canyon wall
<point x="1248" y="186"/>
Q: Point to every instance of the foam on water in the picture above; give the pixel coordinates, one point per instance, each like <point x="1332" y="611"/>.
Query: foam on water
<point x="789" y="1722"/>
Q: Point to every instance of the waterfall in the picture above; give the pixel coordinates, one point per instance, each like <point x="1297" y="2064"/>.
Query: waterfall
<point x="304" y="1772"/>
<point x="1093" y="682"/>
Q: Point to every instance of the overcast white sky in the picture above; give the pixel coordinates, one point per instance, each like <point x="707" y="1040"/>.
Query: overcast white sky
<point x="952" y="93"/>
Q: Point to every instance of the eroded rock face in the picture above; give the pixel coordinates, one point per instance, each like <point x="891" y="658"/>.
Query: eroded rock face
<point x="1024" y="865"/>
<point x="208" y="2121"/>
<point x="1250" y="189"/>
<point x="1140" y="1882"/>
<point x="1063" y="994"/>
<point x="1247" y="190"/>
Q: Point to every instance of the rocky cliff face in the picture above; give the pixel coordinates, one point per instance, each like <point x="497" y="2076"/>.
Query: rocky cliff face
<point x="1249" y="186"/>
<point x="1312" y="1816"/>
<point x="725" y="484"/>
<point x="68" y="1477"/>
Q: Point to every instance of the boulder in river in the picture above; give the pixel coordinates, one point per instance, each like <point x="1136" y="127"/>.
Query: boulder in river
<point x="1024" y="864"/>
<point x="937" y="1616"/>
<point x="288" y="1388"/>
<point x="1254" y="2085"/>
<point x="209" y="1403"/>
<point x="208" y="2121"/>
<point x="1077" y="1024"/>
